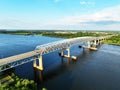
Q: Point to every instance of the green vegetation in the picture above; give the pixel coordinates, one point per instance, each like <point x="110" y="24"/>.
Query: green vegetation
<point x="73" y="35"/>
<point x="16" y="32"/>
<point x="60" y="34"/>
<point x="113" y="40"/>
<point x="67" y="34"/>
<point x="10" y="81"/>
<point x="19" y="84"/>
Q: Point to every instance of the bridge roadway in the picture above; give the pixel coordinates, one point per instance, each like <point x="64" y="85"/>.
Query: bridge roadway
<point x="46" y="48"/>
<point x="17" y="57"/>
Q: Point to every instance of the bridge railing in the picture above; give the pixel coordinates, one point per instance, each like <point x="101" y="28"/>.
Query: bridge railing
<point x="57" y="45"/>
<point x="15" y="63"/>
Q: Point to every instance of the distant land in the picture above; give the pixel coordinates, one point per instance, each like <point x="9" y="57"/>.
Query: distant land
<point x="44" y="30"/>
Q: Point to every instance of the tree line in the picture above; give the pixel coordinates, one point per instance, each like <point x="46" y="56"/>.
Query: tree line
<point x="113" y="40"/>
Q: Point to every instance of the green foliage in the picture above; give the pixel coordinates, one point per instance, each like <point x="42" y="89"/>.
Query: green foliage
<point x="53" y="33"/>
<point x="44" y="89"/>
<point x="19" y="84"/>
<point x="70" y="35"/>
<point x="113" y="40"/>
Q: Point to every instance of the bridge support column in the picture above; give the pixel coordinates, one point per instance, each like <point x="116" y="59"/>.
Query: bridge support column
<point x="40" y="62"/>
<point x="95" y="44"/>
<point x="34" y="62"/>
<point x="34" y="65"/>
<point x="98" y="42"/>
<point x="39" y="67"/>
<point x="68" y="50"/>
<point x="83" y="46"/>
<point x="68" y="53"/>
<point x="89" y="44"/>
<point x="62" y="53"/>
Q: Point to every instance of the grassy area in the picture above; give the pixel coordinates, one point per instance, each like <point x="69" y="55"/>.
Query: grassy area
<point x="113" y="40"/>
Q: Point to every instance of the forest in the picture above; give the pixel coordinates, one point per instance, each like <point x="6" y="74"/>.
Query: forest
<point x="73" y="35"/>
<point x="113" y="40"/>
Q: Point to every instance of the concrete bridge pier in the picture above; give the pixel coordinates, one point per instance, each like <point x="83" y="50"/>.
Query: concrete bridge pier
<point x="68" y="50"/>
<point x="38" y="67"/>
<point x="34" y="70"/>
<point x="89" y="44"/>
<point x="40" y="62"/>
<point x="65" y="56"/>
<point x="68" y="53"/>
<point x="92" y="45"/>
<point x="86" y="45"/>
<point x="62" y="52"/>
<point x="98" y="42"/>
<point x="95" y="44"/>
<point x="34" y="62"/>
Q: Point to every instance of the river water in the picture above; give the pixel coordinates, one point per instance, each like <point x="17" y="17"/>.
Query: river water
<point x="93" y="70"/>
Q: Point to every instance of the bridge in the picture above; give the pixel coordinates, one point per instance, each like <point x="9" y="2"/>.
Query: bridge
<point x="16" y="60"/>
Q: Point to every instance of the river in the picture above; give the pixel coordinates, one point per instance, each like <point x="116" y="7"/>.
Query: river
<point x="93" y="70"/>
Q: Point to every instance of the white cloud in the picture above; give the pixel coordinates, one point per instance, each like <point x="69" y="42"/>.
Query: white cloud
<point x="86" y="3"/>
<point x="56" y="1"/>
<point x="15" y="23"/>
<point x="83" y="2"/>
<point x="108" y="18"/>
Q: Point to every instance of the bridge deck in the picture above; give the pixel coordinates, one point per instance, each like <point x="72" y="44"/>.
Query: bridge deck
<point x="47" y="48"/>
<point x="17" y="57"/>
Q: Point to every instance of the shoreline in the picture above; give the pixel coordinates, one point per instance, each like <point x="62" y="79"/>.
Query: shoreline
<point x="115" y="44"/>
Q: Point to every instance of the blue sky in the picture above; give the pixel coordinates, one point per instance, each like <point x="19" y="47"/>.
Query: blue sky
<point x="60" y="14"/>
